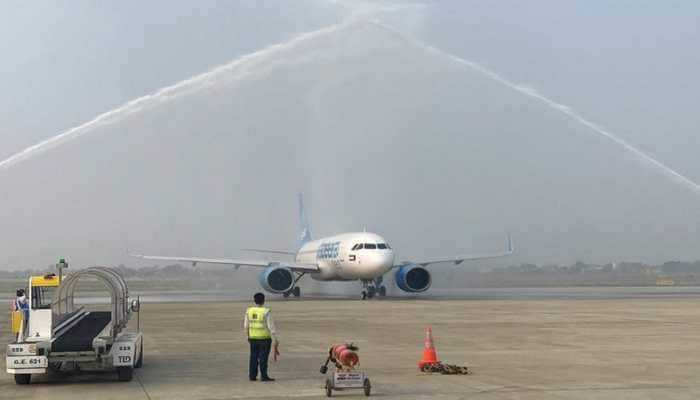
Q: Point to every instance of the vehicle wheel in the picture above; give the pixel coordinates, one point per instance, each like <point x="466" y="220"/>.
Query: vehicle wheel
<point x="329" y="388"/>
<point x="23" y="379"/>
<point x="364" y="295"/>
<point x="382" y="291"/>
<point x="371" y="292"/>
<point x="367" y="387"/>
<point x="296" y="291"/>
<point x="125" y="374"/>
<point x="139" y="362"/>
<point x="285" y="294"/>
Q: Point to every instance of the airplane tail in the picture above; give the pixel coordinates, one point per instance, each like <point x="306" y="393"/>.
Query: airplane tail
<point x="305" y="235"/>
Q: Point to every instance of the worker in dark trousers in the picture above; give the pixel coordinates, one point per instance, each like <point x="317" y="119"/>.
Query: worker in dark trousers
<point x="22" y="304"/>
<point x="261" y="332"/>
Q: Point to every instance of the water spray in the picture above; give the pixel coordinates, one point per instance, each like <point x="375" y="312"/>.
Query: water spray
<point x="562" y="108"/>
<point x="241" y="68"/>
<point x="258" y="62"/>
<point x="250" y="65"/>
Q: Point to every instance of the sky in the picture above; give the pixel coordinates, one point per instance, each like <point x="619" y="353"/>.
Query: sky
<point x="376" y="131"/>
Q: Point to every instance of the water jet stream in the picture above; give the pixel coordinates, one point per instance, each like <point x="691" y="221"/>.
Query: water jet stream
<point x="250" y="65"/>
<point x="564" y="109"/>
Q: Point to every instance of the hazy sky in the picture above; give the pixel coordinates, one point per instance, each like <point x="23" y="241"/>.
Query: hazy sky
<point x="378" y="133"/>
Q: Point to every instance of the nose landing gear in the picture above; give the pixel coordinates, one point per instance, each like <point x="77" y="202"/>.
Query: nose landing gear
<point x="370" y="288"/>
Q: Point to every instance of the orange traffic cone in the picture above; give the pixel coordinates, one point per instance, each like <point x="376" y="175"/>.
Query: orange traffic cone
<point x="429" y="353"/>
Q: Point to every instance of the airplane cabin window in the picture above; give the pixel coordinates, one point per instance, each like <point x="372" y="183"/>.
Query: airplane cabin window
<point x="381" y="246"/>
<point x="370" y="246"/>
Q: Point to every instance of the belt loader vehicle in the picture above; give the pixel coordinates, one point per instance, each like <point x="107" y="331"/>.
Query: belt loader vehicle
<point x="57" y="335"/>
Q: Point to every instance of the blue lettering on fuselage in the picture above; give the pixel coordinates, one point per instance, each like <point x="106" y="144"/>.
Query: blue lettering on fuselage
<point x="328" y="250"/>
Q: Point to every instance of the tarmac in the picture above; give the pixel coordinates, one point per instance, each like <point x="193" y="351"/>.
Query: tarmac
<point x="517" y="349"/>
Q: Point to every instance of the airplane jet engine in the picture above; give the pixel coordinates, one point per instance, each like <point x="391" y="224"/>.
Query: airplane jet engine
<point x="276" y="279"/>
<point x="413" y="278"/>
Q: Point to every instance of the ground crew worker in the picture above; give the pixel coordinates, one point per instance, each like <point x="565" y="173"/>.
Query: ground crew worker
<point x="22" y="304"/>
<point x="260" y="331"/>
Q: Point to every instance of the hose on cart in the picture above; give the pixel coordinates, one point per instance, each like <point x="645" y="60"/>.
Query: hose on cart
<point x="445" y="369"/>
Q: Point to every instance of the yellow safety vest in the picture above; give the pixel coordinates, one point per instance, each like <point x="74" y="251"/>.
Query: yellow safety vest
<point x="257" y="327"/>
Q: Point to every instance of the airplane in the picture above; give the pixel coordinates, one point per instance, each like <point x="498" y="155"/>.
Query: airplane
<point x="352" y="256"/>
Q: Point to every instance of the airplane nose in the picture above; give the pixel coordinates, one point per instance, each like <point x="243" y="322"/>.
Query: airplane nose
<point x="382" y="260"/>
<point x="378" y="263"/>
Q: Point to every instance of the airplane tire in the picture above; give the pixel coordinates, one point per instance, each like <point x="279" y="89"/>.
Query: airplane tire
<point x="382" y="291"/>
<point x="285" y="294"/>
<point x="296" y="291"/>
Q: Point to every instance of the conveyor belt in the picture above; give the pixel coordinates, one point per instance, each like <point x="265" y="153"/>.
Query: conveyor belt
<point x="58" y="320"/>
<point x="80" y="336"/>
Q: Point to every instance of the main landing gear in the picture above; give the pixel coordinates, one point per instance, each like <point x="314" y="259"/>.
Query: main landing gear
<point x="295" y="290"/>
<point x="370" y="288"/>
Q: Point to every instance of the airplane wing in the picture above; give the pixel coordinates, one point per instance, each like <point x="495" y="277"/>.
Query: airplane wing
<point x="237" y="263"/>
<point x="267" y="251"/>
<point x="456" y="260"/>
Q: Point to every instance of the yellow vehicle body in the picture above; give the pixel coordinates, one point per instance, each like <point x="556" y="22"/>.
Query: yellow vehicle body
<point x="45" y="280"/>
<point x="49" y="280"/>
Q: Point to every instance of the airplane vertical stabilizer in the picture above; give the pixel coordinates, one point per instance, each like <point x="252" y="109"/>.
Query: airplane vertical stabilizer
<point x="305" y="235"/>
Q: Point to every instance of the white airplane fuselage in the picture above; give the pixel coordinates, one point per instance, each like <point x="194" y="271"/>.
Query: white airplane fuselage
<point x="339" y="259"/>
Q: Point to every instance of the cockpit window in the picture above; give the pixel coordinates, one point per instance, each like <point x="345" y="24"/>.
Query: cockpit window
<point x="382" y="246"/>
<point x="370" y="246"/>
<point x="358" y="246"/>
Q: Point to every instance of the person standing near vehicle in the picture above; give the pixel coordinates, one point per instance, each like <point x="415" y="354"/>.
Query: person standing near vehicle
<point x="260" y="330"/>
<point x="22" y="304"/>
